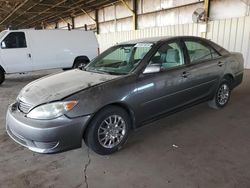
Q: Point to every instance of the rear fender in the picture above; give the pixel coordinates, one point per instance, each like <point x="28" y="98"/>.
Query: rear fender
<point x="239" y="59"/>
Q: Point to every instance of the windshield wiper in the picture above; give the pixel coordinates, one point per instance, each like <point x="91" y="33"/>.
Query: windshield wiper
<point x="117" y="73"/>
<point x="96" y="71"/>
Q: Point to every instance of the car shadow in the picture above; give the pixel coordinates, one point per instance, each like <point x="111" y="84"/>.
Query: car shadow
<point x="168" y="123"/>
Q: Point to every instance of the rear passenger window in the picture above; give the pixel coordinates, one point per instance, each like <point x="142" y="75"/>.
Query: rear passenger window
<point x="199" y="52"/>
<point x="14" y="40"/>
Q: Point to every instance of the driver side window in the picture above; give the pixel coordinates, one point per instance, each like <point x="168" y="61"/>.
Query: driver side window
<point x="169" y="55"/>
<point x="14" y="40"/>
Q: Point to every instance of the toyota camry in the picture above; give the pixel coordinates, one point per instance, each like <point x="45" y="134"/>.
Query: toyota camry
<point x="124" y="88"/>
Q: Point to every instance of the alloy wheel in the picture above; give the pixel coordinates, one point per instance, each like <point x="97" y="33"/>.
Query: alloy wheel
<point x="223" y="94"/>
<point x="111" y="131"/>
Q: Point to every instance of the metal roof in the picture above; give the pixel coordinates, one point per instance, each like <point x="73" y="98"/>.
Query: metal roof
<point x="32" y="13"/>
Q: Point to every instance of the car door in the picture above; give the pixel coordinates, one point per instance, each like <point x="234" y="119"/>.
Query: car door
<point x="161" y="92"/>
<point x="205" y="67"/>
<point x="15" y="53"/>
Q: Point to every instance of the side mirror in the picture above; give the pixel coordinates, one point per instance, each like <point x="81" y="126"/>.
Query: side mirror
<point x="152" y="69"/>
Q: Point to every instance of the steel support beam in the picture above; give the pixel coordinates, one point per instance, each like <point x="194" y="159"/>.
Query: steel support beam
<point x="207" y="14"/>
<point x="54" y="17"/>
<point x="14" y="11"/>
<point x="70" y="26"/>
<point x="85" y="12"/>
<point x="135" y="15"/>
<point x="133" y="10"/>
<point x="97" y="21"/>
<point x="46" y="10"/>
<point x="207" y="9"/>
<point x="73" y="22"/>
<point x="26" y="11"/>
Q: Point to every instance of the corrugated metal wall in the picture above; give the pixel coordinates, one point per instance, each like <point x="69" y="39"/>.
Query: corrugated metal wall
<point x="233" y="34"/>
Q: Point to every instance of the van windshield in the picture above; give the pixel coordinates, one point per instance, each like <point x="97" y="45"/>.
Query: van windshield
<point x="119" y="60"/>
<point x="2" y="34"/>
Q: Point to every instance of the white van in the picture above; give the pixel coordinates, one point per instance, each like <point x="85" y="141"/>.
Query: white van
<point x="32" y="50"/>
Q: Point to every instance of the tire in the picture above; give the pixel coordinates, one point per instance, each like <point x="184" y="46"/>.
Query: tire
<point x="108" y="131"/>
<point x="80" y="64"/>
<point x="2" y="76"/>
<point x="222" y="95"/>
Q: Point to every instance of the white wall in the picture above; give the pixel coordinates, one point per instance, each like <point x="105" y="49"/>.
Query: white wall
<point x="81" y="20"/>
<point x="171" y="17"/>
<point x="232" y="33"/>
<point x="63" y="24"/>
<point x="221" y="9"/>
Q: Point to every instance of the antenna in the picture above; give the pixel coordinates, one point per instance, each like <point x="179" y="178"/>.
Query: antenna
<point x="199" y="15"/>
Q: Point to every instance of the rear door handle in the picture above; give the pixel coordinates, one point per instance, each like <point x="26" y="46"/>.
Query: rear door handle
<point x="185" y="74"/>
<point x="29" y="55"/>
<point x="220" y="64"/>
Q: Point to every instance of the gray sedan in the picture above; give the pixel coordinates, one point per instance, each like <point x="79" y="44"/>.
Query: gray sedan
<point x="125" y="87"/>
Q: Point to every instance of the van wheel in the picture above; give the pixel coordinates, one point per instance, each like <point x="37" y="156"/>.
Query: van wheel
<point x="222" y="95"/>
<point x="2" y="76"/>
<point x="108" y="131"/>
<point x="80" y="64"/>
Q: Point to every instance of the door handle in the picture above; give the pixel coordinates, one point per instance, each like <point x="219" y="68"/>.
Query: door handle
<point x="29" y="55"/>
<point x="185" y="74"/>
<point x="220" y="64"/>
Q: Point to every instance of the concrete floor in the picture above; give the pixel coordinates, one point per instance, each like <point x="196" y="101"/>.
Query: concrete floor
<point x="199" y="147"/>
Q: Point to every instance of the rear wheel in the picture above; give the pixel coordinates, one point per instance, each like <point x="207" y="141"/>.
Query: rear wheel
<point x="222" y="95"/>
<point x="108" y="131"/>
<point x="2" y="76"/>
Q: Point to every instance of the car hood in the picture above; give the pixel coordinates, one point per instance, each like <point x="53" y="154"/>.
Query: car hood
<point x="58" y="86"/>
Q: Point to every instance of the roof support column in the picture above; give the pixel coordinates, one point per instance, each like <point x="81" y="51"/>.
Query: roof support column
<point x="207" y="9"/>
<point x="73" y="22"/>
<point x="207" y="13"/>
<point x="135" y="16"/>
<point x="133" y="10"/>
<point x="97" y="21"/>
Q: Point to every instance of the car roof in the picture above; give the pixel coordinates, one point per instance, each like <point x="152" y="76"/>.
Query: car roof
<point x="156" y="39"/>
<point x="146" y="40"/>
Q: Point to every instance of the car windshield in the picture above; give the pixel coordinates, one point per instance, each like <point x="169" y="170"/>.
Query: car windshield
<point x="119" y="60"/>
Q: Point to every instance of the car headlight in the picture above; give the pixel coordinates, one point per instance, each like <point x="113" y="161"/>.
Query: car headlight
<point x="51" y="110"/>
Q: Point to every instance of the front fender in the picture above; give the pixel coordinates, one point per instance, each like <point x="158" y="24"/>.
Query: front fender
<point x="93" y="99"/>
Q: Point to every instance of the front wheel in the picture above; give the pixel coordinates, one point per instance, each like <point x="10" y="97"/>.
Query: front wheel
<point x="222" y="96"/>
<point x="2" y="76"/>
<point x="108" y="131"/>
